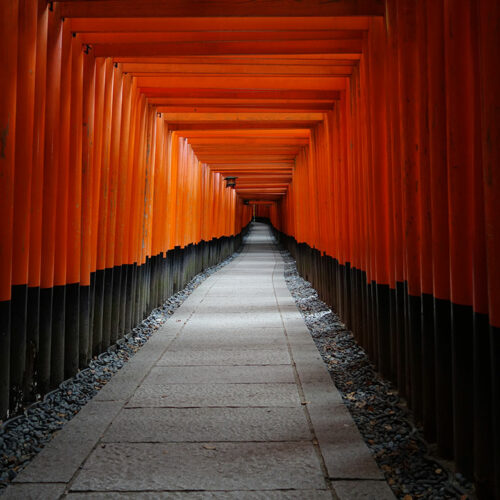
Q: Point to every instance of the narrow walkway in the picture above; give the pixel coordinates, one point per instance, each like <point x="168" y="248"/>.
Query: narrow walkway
<point x="230" y="399"/>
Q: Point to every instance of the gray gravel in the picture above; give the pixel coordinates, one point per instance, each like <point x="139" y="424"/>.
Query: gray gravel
<point x="23" y="436"/>
<point x="381" y="415"/>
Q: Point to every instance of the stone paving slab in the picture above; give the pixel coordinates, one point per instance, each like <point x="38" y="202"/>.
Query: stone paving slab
<point x="209" y="424"/>
<point x="253" y="278"/>
<point x="158" y="395"/>
<point x="363" y="490"/>
<point x="34" y="491"/>
<point x="187" y="466"/>
<point x="231" y="333"/>
<point x="244" y="292"/>
<point x="231" y="309"/>
<point x="125" y="381"/>
<point x="258" y="277"/>
<point x="243" y="343"/>
<point x="211" y="495"/>
<point x="345" y="454"/>
<point x="236" y="302"/>
<point x="277" y="374"/>
<point x="69" y="447"/>
<point x="235" y="320"/>
<point x="188" y="357"/>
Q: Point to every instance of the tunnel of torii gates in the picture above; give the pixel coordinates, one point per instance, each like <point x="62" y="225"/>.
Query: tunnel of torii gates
<point x="367" y="131"/>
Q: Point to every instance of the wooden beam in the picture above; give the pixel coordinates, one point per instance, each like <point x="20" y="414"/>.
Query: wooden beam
<point x="260" y="202"/>
<point x="337" y="47"/>
<point x="231" y="126"/>
<point x="263" y="177"/>
<point x="243" y="82"/>
<point x="294" y="59"/>
<point x="233" y="109"/>
<point x="158" y="92"/>
<point x="216" y="142"/>
<point x="242" y="117"/>
<point x="246" y="150"/>
<point x="253" y="169"/>
<point x="214" y="101"/>
<point x="161" y="24"/>
<point x="257" y="163"/>
<point x="254" y="159"/>
<point x="219" y="36"/>
<point x="298" y="132"/>
<point x="246" y="60"/>
<point x="221" y="8"/>
<point x="241" y="184"/>
<point x="148" y="69"/>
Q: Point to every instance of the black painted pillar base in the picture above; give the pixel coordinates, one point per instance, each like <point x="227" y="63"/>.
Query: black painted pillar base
<point x="45" y="339"/>
<point x="84" y="336"/>
<point x="4" y="358"/>
<point x="122" y="314"/>
<point x="72" y="330"/>
<point x="383" y="327"/>
<point x="428" y="369"/>
<point x="443" y="367"/>
<point x="401" y="337"/>
<point x="393" y="374"/>
<point x="98" y="313"/>
<point x="18" y="312"/>
<point x="415" y="354"/>
<point x="495" y="407"/>
<point x="128" y="299"/>
<point x="91" y="314"/>
<point x="115" y="333"/>
<point x="484" y="449"/>
<point x="32" y="341"/>
<point x="58" y="335"/>
<point x="107" y="308"/>
<point x="463" y="398"/>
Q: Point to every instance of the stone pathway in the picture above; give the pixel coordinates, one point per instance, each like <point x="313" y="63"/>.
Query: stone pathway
<point x="230" y="399"/>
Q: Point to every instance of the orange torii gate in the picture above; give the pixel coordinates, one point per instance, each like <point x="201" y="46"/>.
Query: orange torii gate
<point x="366" y="131"/>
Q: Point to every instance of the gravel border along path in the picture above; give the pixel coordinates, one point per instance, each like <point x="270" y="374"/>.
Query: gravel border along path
<point x="382" y="417"/>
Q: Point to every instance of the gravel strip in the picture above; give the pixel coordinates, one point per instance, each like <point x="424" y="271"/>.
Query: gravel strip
<point x="381" y="415"/>
<point x="23" y="436"/>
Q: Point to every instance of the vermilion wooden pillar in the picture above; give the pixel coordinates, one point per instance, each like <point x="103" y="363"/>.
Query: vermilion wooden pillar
<point x="122" y="200"/>
<point x="127" y="250"/>
<point x="61" y="215"/>
<point x="410" y="142"/>
<point x="488" y="34"/>
<point x="74" y="242"/>
<point x="460" y="123"/>
<point x="8" y="80"/>
<point x="128" y="255"/>
<point x="111" y="150"/>
<point x="380" y="193"/>
<point x="427" y="306"/>
<point x="96" y="280"/>
<point x="35" y="242"/>
<point x="113" y="284"/>
<point x="50" y="190"/>
<point x="439" y="227"/>
<point x="103" y="152"/>
<point x="88" y="124"/>
<point x="482" y="426"/>
<point x="398" y="211"/>
<point x="25" y="105"/>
